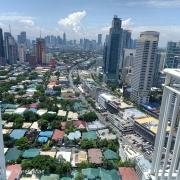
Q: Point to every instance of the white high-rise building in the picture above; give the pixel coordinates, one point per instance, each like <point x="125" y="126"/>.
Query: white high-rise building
<point x="2" y="158"/>
<point x="166" y="160"/>
<point x="143" y="66"/>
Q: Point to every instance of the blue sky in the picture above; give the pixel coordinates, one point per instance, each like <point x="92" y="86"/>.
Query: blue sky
<point x="87" y="18"/>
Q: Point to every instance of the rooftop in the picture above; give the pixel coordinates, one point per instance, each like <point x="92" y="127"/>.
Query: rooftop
<point x="95" y="156"/>
<point x="127" y="173"/>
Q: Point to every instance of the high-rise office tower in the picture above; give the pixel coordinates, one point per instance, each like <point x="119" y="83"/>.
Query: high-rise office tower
<point x="113" y="52"/>
<point x="11" y="49"/>
<point x="2" y="158"/>
<point x="173" y="55"/>
<point x="2" y="56"/>
<point x="143" y="66"/>
<point x="99" y="39"/>
<point x="40" y="51"/>
<point x="126" y="39"/>
<point x="166" y="159"/>
<point x="64" y="38"/>
<point x="22" y="38"/>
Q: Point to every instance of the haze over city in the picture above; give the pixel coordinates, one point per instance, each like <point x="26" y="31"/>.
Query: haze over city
<point x="82" y="18"/>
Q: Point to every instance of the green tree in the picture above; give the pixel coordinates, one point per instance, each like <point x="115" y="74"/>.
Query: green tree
<point x="23" y="143"/>
<point x="89" y="116"/>
<point x="18" y="122"/>
<point x="43" y="124"/>
<point x="80" y="176"/>
<point x="30" y="116"/>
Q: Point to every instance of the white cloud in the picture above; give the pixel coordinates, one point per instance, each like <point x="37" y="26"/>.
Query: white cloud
<point x="73" y="20"/>
<point x="126" y="24"/>
<point x="155" y="3"/>
<point x="15" y="18"/>
<point x="27" y="22"/>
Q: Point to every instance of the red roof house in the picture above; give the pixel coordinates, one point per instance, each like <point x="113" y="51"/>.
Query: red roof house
<point x="13" y="171"/>
<point x="127" y="173"/>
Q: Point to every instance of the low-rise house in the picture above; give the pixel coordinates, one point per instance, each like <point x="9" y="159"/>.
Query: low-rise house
<point x="58" y="136"/>
<point x="48" y="153"/>
<point x="105" y="134"/>
<point x="31" y="153"/>
<point x="20" y="110"/>
<point x="62" y="113"/>
<point x="50" y="177"/>
<point x="90" y="135"/>
<point x="74" y="135"/>
<point x="63" y="154"/>
<point x="127" y="173"/>
<point x="78" y="157"/>
<point x="100" y="173"/>
<point x="26" y="125"/>
<point x="80" y="124"/>
<point x="72" y="116"/>
<point x="95" y="156"/>
<point x="7" y="131"/>
<point x="18" y="133"/>
<point x="40" y="112"/>
<point x="35" y="126"/>
<point x="8" y="124"/>
<point x="13" y="171"/>
<point x="110" y="155"/>
<point x="12" y="154"/>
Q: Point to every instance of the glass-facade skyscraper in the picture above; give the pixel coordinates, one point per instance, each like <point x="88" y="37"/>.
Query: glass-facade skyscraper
<point x="113" y="52"/>
<point x="1" y="48"/>
<point x="173" y="55"/>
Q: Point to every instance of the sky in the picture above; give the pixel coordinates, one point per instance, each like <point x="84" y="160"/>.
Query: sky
<point x="87" y="18"/>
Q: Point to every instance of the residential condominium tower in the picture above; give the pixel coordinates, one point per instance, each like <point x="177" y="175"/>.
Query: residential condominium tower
<point x="166" y="159"/>
<point x="143" y="66"/>
<point x="40" y="51"/>
<point x="113" y="52"/>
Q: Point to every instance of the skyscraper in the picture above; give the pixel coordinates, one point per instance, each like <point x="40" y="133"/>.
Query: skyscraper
<point x="128" y="58"/>
<point x="22" y="38"/>
<point x="99" y="39"/>
<point x="40" y="51"/>
<point x="1" y="48"/>
<point x="166" y="159"/>
<point x="143" y="66"/>
<point x="22" y="53"/>
<point x="64" y="38"/>
<point x="11" y="49"/>
<point x="172" y="55"/>
<point x="126" y="39"/>
<point x="113" y="52"/>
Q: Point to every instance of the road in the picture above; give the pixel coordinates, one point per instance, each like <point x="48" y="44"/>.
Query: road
<point x="101" y="118"/>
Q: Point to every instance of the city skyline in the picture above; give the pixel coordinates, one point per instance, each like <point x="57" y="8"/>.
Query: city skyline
<point x="85" y="19"/>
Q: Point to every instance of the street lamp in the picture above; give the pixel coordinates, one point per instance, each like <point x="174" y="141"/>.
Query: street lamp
<point x="2" y="159"/>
